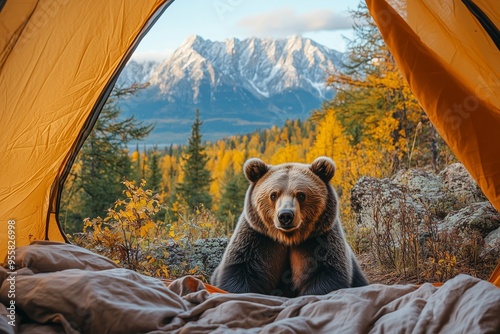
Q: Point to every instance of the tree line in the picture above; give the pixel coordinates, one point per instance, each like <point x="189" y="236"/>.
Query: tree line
<point x="373" y="126"/>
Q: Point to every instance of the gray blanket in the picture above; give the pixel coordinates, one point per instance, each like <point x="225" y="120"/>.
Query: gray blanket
<point x="61" y="288"/>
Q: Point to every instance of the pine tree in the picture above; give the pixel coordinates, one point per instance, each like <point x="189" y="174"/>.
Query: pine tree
<point x="154" y="179"/>
<point x="103" y="162"/>
<point x="194" y="190"/>
<point x="233" y="197"/>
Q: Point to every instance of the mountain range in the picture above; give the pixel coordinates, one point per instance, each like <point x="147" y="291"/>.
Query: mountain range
<point x="238" y="86"/>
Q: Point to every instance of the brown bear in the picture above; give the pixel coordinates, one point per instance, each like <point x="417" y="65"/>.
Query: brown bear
<point x="288" y="240"/>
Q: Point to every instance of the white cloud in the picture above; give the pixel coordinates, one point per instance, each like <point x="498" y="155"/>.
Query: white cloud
<point x="286" y="21"/>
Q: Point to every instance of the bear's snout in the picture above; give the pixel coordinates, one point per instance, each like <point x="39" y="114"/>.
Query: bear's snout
<point x="285" y="217"/>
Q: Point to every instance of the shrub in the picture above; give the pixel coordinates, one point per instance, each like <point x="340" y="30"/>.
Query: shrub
<point x="130" y="231"/>
<point x="411" y="245"/>
<point x="132" y="235"/>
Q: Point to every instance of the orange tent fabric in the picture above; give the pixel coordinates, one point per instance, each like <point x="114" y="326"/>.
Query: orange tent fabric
<point x="58" y="63"/>
<point x="453" y="67"/>
<point x="452" y="64"/>
<point x="192" y="283"/>
<point x="495" y="276"/>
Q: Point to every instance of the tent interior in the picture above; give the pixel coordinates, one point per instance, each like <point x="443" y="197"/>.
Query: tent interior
<point x="59" y="61"/>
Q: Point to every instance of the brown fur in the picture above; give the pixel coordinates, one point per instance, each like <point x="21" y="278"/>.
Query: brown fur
<point x="306" y="255"/>
<point x="283" y="181"/>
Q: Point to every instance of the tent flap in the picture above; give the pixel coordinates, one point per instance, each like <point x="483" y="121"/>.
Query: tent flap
<point x="58" y="60"/>
<point x="452" y="66"/>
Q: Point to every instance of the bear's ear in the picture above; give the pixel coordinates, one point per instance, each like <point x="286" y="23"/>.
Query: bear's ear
<point x="324" y="167"/>
<point x="254" y="169"/>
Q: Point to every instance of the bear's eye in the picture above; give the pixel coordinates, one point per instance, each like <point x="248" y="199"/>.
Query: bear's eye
<point x="301" y="196"/>
<point x="274" y="196"/>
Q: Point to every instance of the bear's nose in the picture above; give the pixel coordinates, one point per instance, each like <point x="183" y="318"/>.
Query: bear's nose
<point x="285" y="217"/>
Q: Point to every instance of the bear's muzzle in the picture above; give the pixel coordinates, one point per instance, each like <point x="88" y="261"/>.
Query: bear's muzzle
<point x="285" y="217"/>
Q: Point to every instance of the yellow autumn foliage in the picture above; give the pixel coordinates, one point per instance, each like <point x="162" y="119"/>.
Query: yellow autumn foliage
<point x="130" y="229"/>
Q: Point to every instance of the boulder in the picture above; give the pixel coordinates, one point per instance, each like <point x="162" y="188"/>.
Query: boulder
<point x="480" y="216"/>
<point x="173" y="253"/>
<point x="205" y="254"/>
<point x="424" y="186"/>
<point x="457" y="181"/>
<point x="450" y="201"/>
<point x="492" y="244"/>
<point x="208" y="253"/>
<point x="383" y="200"/>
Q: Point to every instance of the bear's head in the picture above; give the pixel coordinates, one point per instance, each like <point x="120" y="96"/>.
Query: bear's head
<point x="290" y="202"/>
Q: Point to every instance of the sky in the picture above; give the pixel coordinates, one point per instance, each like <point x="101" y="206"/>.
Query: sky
<point x="325" y="21"/>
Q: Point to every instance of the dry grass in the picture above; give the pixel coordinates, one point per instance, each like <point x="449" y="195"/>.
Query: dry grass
<point x="410" y="248"/>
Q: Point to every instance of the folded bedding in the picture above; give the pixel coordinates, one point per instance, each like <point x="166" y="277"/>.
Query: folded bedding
<point x="62" y="288"/>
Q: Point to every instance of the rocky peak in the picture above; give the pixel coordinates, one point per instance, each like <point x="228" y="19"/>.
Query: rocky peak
<point x="240" y="85"/>
<point x="264" y="66"/>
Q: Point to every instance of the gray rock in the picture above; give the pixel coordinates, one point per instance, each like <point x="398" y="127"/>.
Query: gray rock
<point x="205" y="254"/>
<point x="481" y="217"/>
<point x="492" y="244"/>
<point x="383" y="201"/>
<point x="452" y="200"/>
<point x="208" y="253"/>
<point x="423" y="185"/>
<point x="174" y="254"/>
<point x="457" y="180"/>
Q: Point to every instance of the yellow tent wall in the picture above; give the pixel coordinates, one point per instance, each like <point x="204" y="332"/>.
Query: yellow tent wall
<point x="453" y="67"/>
<point x="58" y="59"/>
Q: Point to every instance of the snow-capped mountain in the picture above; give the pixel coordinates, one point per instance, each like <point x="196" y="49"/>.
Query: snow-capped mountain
<point x="238" y="85"/>
<point x="136" y="72"/>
